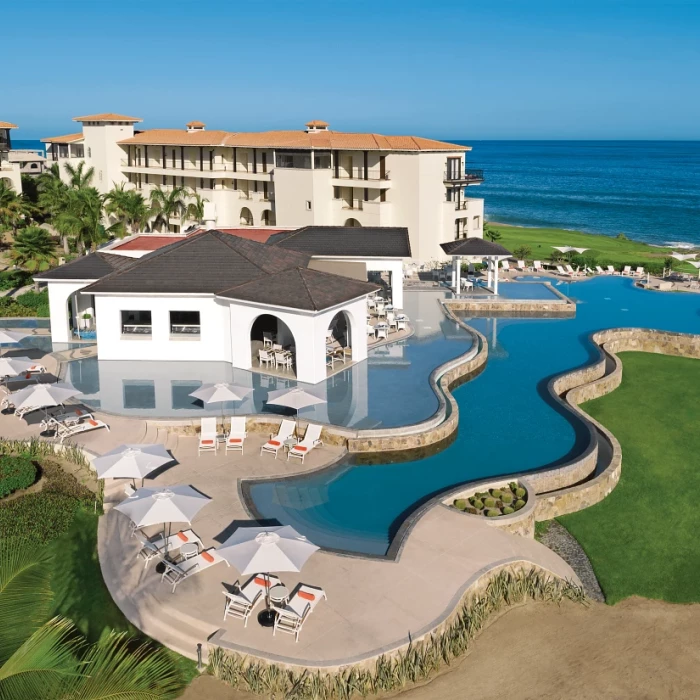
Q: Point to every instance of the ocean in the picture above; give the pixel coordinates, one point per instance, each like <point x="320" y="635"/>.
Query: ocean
<point x="648" y="190"/>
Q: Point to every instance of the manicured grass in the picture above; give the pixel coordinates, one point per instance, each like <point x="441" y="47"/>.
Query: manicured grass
<point x="603" y="248"/>
<point x="643" y="538"/>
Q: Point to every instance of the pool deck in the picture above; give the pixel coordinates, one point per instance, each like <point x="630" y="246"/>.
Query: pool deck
<point x="374" y="605"/>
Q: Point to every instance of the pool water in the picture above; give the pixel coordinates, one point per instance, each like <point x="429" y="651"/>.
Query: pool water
<point x="508" y="422"/>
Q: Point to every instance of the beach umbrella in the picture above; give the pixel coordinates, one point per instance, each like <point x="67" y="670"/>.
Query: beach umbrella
<point x="296" y="398"/>
<point x="11" y="337"/>
<point x="131" y="461"/>
<point x="12" y="366"/>
<point x="220" y="393"/>
<point x="254" y="550"/>
<point x="43" y="395"/>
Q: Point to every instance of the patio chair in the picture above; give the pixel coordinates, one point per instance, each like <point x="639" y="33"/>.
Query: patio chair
<point x="627" y="270"/>
<point x="563" y="272"/>
<point x="600" y="270"/>
<point x="505" y="266"/>
<point x="521" y="266"/>
<point x="243" y="600"/>
<point x="572" y="272"/>
<point x="612" y="271"/>
<point x="158" y="547"/>
<point x="236" y="435"/>
<point x="292" y="616"/>
<point x="265" y="358"/>
<point x="371" y="304"/>
<point x="129" y="491"/>
<point x="63" y="432"/>
<point x="537" y="266"/>
<point x="401" y="324"/>
<point x="381" y="311"/>
<point x="371" y="331"/>
<point x="382" y="332"/>
<point x="275" y="443"/>
<point x="268" y="339"/>
<point x="175" y="574"/>
<point x="208" y="436"/>
<point x="639" y="272"/>
<point x="312" y="438"/>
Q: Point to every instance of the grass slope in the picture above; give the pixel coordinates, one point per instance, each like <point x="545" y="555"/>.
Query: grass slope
<point x="603" y="248"/>
<point x="642" y="538"/>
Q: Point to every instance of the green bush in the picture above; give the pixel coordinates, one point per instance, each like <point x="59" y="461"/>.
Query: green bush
<point x="520" y="492"/>
<point x="473" y="511"/>
<point x="10" y="308"/>
<point x="478" y="504"/>
<point x="489" y="502"/>
<point x="496" y="493"/>
<point x="42" y="311"/>
<point x="12" y="279"/>
<point x="507" y="510"/>
<point x="33" y="299"/>
<point x="507" y="498"/>
<point x="519" y="504"/>
<point x="460" y="504"/>
<point x="15" y="473"/>
<point x="493" y="513"/>
<point x="37" y="518"/>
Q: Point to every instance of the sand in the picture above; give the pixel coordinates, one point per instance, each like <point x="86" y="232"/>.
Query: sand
<point x="636" y="649"/>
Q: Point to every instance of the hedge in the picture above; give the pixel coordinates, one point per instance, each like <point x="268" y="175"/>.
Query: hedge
<point x="25" y="305"/>
<point x="16" y="472"/>
<point x="37" y="518"/>
<point x="12" y="279"/>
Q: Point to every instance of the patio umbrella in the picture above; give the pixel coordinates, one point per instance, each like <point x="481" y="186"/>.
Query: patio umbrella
<point x="43" y="395"/>
<point x="263" y="550"/>
<point x="131" y="461"/>
<point x="220" y="392"/>
<point x="11" y="337"/>
<point x="295" y="398"/>
<point x="12" y="366"/>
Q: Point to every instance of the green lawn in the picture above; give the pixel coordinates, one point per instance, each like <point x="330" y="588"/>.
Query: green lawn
<point x="643" y="538"/>
<point x="604" y="249"/>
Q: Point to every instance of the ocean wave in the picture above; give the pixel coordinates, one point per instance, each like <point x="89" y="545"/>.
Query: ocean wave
<point x="680" y="244"/>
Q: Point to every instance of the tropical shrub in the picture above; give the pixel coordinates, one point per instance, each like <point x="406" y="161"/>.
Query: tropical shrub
<point x="493" y="513"/>
<point x="522" y="252"/>
<point x="489" y="502"/>
<point x="519" y="504"/>
<point x="507" y="510"/>
<point x="13" y="279"/>
<point x="37" y="518"/>
<point x="503" y="500"/>
<point x="15" y="473"/>
<point x="460" y="504"/>
<point x="33" y="299"/>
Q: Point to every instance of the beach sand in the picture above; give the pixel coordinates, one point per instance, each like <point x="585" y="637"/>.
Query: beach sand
<point x="635" y="649"/>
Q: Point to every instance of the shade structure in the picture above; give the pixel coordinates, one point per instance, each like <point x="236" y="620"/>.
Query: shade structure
<point x="131" y="461"/>
<point x="172" y="504"/>
<point x="11" y="337"/>
<point x="43" y="395"/>
<point x="683" y="256"/>
<point x="266" y="549"/>
<point x="12" y="366"/>
<point x="695" y="264"/>
<point x="220" y="392"/>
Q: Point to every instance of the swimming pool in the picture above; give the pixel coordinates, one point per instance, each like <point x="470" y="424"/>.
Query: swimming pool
<point x="508" y="422"/>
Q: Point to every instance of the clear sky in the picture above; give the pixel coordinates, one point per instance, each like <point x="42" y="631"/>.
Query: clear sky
<point x="493" y="69"/>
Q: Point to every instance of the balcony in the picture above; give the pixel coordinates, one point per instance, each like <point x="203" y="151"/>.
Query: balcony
<point x="352" y="204"/>
<point x="467" y="177"/>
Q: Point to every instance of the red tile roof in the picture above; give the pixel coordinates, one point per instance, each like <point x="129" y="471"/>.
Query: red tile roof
<point x="107" y="117"/>
<point x="252" y="234"/>
<point x="7" y="125"/>
<point x="68" y="138"/>
<point x="148" y="242"/>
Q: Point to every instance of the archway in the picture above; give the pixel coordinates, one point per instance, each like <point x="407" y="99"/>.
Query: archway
<point x="339" y="331"/>
<point x="272" y="346"/>
<point x="352" y="223"/>
<point x="246" y="217"/>
<point x="7" y="182"/>
<point x="268" y="218"/>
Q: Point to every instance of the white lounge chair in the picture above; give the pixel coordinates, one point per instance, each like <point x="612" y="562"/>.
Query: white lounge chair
<point x="312" y="438"/>
<point x="627" y="270"/>
<point x="275" y="443"/>
<point x="505" y="266"/>
<point x="521" y="266"/>
<point x="244" y="599"/>
<point x="563" y="272"/>
<point x="291" y="617"/>
<point x="537" y="266"/>
<point x="65" y="418"/>
<point x="371" y="331"/>
<point x="236" y="435"/>
<point x="612" y="270"/>
<point x="572" y="272"/>
<point x="63" y="432"/>
<point x="639" y="272"/>
<point x="382" y="332"/>
<point x="208" y="436"/>
<point x="401" y="324"/>
<point x="175" y="574"/>
<point x="600" y="270"/>
<point x="157" y="548"/>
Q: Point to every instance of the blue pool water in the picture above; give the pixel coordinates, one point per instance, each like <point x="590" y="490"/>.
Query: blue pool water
<point x="508" y="422"/>
<point x="518" y="290"/>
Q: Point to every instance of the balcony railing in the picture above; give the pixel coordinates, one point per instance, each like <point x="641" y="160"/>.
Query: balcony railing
<point x="461" y="206"/>
<point x="359" y="174"/>
<point x="185" y="329"/>
<point x="155" y="163"/>
<point x="136" y="329"/>
<point x="458" y="175"/>
<point x="353" y="204"/>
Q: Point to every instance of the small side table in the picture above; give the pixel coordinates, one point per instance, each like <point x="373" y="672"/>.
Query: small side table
<point x="289" y="443"/>
<point x="189" y="550"/>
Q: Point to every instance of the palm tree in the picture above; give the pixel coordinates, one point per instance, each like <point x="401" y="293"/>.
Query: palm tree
<point x="52" y="197"/>
<point x="33" y="249"/>
<point x="168" y="204"/>
<point x="14" y="208"/>
<point x="195" y="209"/>
<point x="491" y="233"/>
<point x="79" y="176"/>
<point x="81" y="218"/>
<point x="49" y="659"/>
<point x="129" y="207"/>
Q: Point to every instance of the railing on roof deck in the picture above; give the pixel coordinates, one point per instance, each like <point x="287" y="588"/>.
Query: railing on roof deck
<point x="459" y="175"/>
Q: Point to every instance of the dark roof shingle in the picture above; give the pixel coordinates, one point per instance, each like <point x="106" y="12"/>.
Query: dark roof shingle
<point x="473" y="246"/>
<point x="88" y="267"/>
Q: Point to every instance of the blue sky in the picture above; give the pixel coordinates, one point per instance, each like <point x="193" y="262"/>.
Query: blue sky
<point x="451" y="69"/>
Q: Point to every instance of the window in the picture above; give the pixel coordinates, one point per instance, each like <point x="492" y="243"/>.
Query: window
<point x="139" y="393"/>
<point x="322" y="160"/>
<point x="308" y="205"/>
<point x="185" y="323"/>
<point x="89" y="152"/>
<point x="180" y="390"/>
<point x="136" y="323"/>
<point x="477" y="222"/>
<point x="293" y="159"/>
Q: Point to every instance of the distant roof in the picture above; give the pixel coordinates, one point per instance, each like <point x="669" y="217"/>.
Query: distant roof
<point x="261" y="235"/>
<point x="68" y="138"/>
<point x="473" y="246"/>
<point x="195" y="123"/>
<point x="316" y="122"/>
<point x="107" y="117"/>
<point x="7" y="125"/>
<point x="345" y="241"/>
<point x="88" y="267"/>
<point x="218" y="263"/>
<point x="148" y="242"/>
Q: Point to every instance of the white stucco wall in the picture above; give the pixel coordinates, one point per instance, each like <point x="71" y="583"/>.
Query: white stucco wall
<point x="59" y="293"/>
<point x="12" y="174"/>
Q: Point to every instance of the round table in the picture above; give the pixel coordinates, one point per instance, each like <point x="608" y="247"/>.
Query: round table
<point x="279" y="594"/>
<point x="189" y="550"/>
<point x="276" y="594"/>
<point x="289" y="443"/>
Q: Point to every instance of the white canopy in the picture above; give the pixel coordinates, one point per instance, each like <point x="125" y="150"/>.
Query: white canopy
<point x="152" y="506"/>
<point x="11" y="337"/>
<point x="264" y="549"/>
<point x="131" y="461"/>
<point x="293" y="398"/>
<point x="43" y="395"/>
<point x="12" y="366"/>
<point x="683" y="256"/>
<point x="696" y="264"/>
<point x="220" y="392"/>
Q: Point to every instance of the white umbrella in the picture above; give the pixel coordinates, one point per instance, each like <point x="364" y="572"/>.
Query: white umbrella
<point x="172" y="504"/>
<point x="131" y="461"/>
<point x="11" y="337"/>
<point x="12" y="366"/>
<point x="295" y="398"/>
<point x="220" y="392"/>
<point x="43" y="395"/>
<point x="255" y="550"/>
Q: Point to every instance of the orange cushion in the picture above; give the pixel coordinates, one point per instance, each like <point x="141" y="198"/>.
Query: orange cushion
<point x="78" y="412"/>
<point x="306" y="596"/>
<point x="27" y="376"/>
<point x="207" y="442"/>
<point x="207" y="557"/>
<point x="300" y="448"/>
<point x="182" y="536"/>
<point x="235" y="440"/>
<point x="93" y="422"/>
<point x="276" y="443"/>
<point x="262" y="581"/>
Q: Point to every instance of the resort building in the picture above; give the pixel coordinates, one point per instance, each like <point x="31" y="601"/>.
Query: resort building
<point x="291" y="179"/>
<point x="10" y="173"/>
<point x="214" y="296"/>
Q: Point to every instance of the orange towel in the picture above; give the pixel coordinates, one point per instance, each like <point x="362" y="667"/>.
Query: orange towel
<point x="276" y="443"/>
<point x="300" y="448"/>
<point x="182" y="536"/>
<point x="235" y="440"/>
<point x="207" y="557"/>
<point x="306" y="596"/>
<point x="207" y="442"/>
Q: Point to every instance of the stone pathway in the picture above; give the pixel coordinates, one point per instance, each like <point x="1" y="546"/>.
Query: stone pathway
<point x="560" y="541"/>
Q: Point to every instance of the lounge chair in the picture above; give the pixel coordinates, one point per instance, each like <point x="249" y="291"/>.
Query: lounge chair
<point x="505" y="266"/>
<point x="572" y="272"/>
<point x="244" y="598"/>
<point x="291" y="617"/>
<point x="208" y="436"/>
<point x="175" y="574"/>
<point x="537" y="266"/>
<point x="600" y="270"/>
<point x="63" y="432"/>
<point x="563" y="272"/>
<point x="65" y="418"/>
<point x="274" y="444"/>
<point x="236" y="434"/>
<point x="312" y="438"/>
<point x="639" y="272"/>
<point x="612" y="271"/>
<point x="521" y="266"/>
<point x="627" y="270"/>
<point x="157" y="548"/>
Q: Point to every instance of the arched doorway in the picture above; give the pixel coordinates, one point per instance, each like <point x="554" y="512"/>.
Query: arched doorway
<point x="268" y="218"/>
<point x="8" y="183"/>
<point x="246" y="217"/>
<point x="352" y="223"/>
<point x="272" y="346"/>
<point x="339" y="331"/>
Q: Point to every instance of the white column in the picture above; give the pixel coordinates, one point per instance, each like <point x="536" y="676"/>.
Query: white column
<point x="396" y="271"/>
<point x="458" y="282"/>
<point x="488" y="272"/>
<point x="495" y="280"/>
<point x="454" y="273"/>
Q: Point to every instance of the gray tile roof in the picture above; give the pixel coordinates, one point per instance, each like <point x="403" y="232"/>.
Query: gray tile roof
<point x="88" y="267"/>
<point x="301" y="288"/>
<point x="365" y="242"/>
<point x="473" y="246"/>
